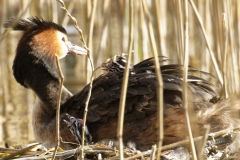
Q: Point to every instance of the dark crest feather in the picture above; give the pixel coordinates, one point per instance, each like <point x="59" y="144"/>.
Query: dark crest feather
<point x="32" y="23"/>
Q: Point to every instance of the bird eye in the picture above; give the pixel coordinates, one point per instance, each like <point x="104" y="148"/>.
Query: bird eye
<point x="63" y="39"/>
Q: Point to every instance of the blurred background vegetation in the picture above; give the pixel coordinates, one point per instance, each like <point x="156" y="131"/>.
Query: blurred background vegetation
<point x="110" y="37"/>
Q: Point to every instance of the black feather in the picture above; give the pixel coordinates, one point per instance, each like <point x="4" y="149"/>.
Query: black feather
<point x="33" y="24"/>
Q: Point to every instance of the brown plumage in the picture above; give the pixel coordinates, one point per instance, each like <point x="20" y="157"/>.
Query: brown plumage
<point x="34" y="67"/>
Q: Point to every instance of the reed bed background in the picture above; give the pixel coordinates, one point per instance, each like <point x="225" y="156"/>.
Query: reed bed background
<point x="110" y="36"/>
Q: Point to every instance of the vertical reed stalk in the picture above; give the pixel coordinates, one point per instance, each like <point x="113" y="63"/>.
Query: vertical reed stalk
<point x="185" y="77"/>
<point x="125" y="84"/>
<point x="91" y="80"/>
<point x="179" y="31"/>
<point x="204" y="140"/>
<point x="207" y="42"/>
<point x="159" y="79"/>
<point x="58" y="107"/>
<point x="160" y="26"/>
<point x="89" y="67"/>
<point x="70" y="9"/>
<point x="225" y="46"/>
<point x="105" y="31"/>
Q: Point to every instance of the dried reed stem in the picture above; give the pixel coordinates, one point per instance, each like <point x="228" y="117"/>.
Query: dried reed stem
<point x="89" y="40"/>
<point x="185" y="77"/>
<point x="105" y="32"/>
<point x="160" y="25"/>
<point x="204" y="140"/>
<point x="91" y="80"/>
<point x="179" y="30"/>
<point x="92" y="70"/>
<point x="125" y="83"/>
<point x="75" y="23"/>
<point x="54" y="11"/>
<point x="143" y="32"/>
<point x="70" y="9"/>
<point x="207" y="42"/>
<point x="86" y="109"/>
<point x="159" y="79"/>
<point x="92" y="17"/>
<point x="58" y="106"/>
<point x="224" y="69"/>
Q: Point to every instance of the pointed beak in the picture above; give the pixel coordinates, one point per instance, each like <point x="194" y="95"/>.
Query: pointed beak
<point x="74" y="49"/>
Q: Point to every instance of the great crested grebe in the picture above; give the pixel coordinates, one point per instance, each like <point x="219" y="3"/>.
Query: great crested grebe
<point x="34" y="67"/>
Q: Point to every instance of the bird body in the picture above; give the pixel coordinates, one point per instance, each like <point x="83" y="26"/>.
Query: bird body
<point x="35" y="67"/>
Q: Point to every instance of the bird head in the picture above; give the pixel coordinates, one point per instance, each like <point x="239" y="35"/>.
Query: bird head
<point x="39" y="45"/>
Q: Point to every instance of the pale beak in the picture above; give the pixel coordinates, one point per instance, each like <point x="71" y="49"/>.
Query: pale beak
<point x="74" y="49"/>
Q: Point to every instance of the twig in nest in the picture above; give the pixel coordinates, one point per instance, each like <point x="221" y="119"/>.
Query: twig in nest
<point x="140" y="155"/>
<point x="69" y="142"/>
<point x="58" y="106"/>
<point x="152" y="156"/>
<point x="19" y="152"/>
<point x="31" y="155"/>
<point x="214" y="135"/>
<point x="91" y="80"/>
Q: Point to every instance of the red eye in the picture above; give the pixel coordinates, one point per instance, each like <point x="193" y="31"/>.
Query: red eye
<point x="63" y="39"/>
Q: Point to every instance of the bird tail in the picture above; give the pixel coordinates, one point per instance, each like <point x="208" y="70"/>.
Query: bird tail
<point x="223" y="115"/>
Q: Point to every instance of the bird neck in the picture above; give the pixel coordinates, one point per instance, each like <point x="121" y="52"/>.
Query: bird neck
<point x="47" y="91"/>
<point x="42" y="76"/>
